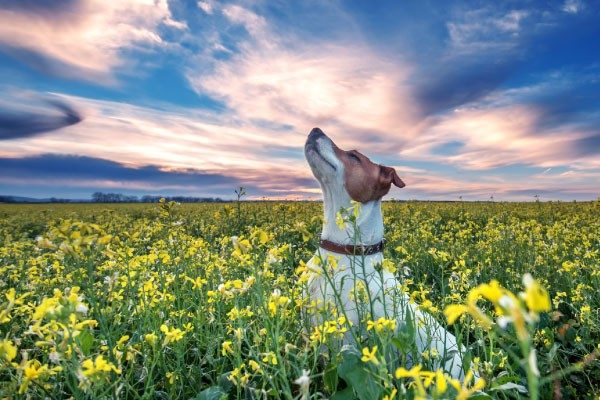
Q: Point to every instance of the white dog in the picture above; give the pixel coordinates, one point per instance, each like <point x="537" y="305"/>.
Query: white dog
<point x="345" y="176"/>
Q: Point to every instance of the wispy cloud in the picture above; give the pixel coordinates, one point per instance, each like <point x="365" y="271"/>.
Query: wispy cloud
<point x="572" y="6"/>
<point x="345" y="86"/>
<point x="485" y="29"/>
<point x="499" y="137"/>
<point x="84" y="38"/>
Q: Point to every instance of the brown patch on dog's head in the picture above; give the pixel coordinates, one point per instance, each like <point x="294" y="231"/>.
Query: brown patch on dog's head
<point x="364" y="180"/>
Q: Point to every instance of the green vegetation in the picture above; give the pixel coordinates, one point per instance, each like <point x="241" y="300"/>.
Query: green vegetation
<point x="205" y="301"/>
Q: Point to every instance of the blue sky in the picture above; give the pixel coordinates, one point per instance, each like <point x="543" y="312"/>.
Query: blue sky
<point x="464" y="99"/>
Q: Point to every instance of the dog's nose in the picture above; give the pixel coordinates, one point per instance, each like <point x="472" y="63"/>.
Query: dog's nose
<point x="315" y="134"/>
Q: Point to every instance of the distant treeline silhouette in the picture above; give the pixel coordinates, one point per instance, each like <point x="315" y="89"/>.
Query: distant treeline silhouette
<point x="18" y="199"/>
<point x="99" y="197"/>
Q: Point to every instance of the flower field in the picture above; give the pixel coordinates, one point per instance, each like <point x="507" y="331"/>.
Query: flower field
<point x="206" y="301"/>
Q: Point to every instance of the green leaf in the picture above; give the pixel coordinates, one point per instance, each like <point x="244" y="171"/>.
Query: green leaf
<point x="509" y="386"/>
<point x="405" y="339"/>
<point x="212" y="393"/>
<point x="330" y="377"/>
<point x="346" y="394"/>
<point x="358" y="375"/>
<point x="86" y="341"/>
<point x="224" y="382"/>
<point x="480" y="396"/>
<point x="503" y="378"/>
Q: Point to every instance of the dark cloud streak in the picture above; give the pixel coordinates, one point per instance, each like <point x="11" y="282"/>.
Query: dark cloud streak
<point x="444" y="89"/>
<point x="16" y="125"/>
<point x="52" y="166"/>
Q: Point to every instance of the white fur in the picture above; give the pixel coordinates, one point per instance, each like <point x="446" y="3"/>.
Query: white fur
<point x="337" y="287"/>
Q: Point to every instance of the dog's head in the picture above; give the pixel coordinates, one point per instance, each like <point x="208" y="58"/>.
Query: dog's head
<point x="362" y="179"/>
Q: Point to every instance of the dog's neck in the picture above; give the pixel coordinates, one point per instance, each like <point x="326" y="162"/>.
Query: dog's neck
<point x="369" y="221"/>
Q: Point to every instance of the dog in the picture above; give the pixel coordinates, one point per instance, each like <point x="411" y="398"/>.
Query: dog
<point x="348" y="178"/>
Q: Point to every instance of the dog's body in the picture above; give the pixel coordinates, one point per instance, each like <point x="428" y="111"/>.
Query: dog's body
<point x="346" y="176"/>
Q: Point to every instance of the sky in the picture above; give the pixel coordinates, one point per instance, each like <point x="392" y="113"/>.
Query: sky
<point x="467" y="100"/>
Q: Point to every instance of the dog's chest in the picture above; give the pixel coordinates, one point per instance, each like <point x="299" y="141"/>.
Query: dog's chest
<point x="348" y="284"/>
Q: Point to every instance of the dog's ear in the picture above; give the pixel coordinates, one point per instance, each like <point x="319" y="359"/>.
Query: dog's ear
<point x="389" y="176"/>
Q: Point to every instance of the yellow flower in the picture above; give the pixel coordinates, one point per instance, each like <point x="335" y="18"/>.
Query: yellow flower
<point x="150" y="338"/>
<point x="369" y="355"/>
<point x="35" y="371"/>
<point x="226" y="347"/>
<point x="270" y="357"/>
<point x="339" y="221"/>
<point x="7" y="350"/>
<point x="240" y="246"/>
<point x="263" y="237"/>
<point x="404" y="373"/>
<point x="171" y="335"/>
<point x="277" y="302"/>
<point x="332" y="261"/>
<point x="490" y="291"/>
<point x="463" y="389"/>
<point x="122" y="340"/>
<point x="98" y="367"/>
<point x="389" y="266"/>
<point x="392" y="395"/>
<point x="171" y="377"/>
<point x="416" y="374"/>
<point x="254" y="365"/>
<point x="196" y="283"/>
<point x="454" y="311"/>
<point x="536" y="297"/>
<point x="355" y="207"/>
<point x="440" y="382"/>
<point x="382" y="324"/>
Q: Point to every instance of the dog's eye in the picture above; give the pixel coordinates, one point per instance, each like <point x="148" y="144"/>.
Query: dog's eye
<point x="354" y="157"/>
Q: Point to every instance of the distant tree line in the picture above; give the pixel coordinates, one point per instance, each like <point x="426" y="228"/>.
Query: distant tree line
<point x="15" y="199"/>
<point x="100" y="197"/>
<point x="8" y="199"/>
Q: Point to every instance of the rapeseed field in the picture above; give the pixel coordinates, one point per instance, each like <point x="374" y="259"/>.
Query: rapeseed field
<point x="206" y="301"/>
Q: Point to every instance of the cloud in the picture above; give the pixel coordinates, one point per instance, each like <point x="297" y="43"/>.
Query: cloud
<point x="572" y="6"/>
<point x="344" y="86"/>
<point x="206" y="6"/>
<point x="20" y="123"/>
<point x="273" y="76"/>
<point x="187" y="151"/>
<point x="559" y="186"/>
<point x="456" y="85"/>
<point x="253" y="23"/>
<point x="500" y="136"/>
<point x="482" y="48"/>
<point x="54" y="169"/>
<point x="484" y="30"/>
<point x="177" y="139"/>
<point x="85" y="37"/>
<point x="551" y="121"/>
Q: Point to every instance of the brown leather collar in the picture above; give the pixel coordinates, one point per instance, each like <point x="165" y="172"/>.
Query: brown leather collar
<point x="350" y="249"/>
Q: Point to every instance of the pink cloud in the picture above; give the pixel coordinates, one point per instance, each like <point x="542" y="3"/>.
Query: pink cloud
<point x="89" y="36"/>
<point x="498" y="136"/>
<point x="344" y="87"/>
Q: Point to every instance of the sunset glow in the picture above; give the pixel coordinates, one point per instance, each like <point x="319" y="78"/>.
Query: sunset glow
<point x="198" y="98"/>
